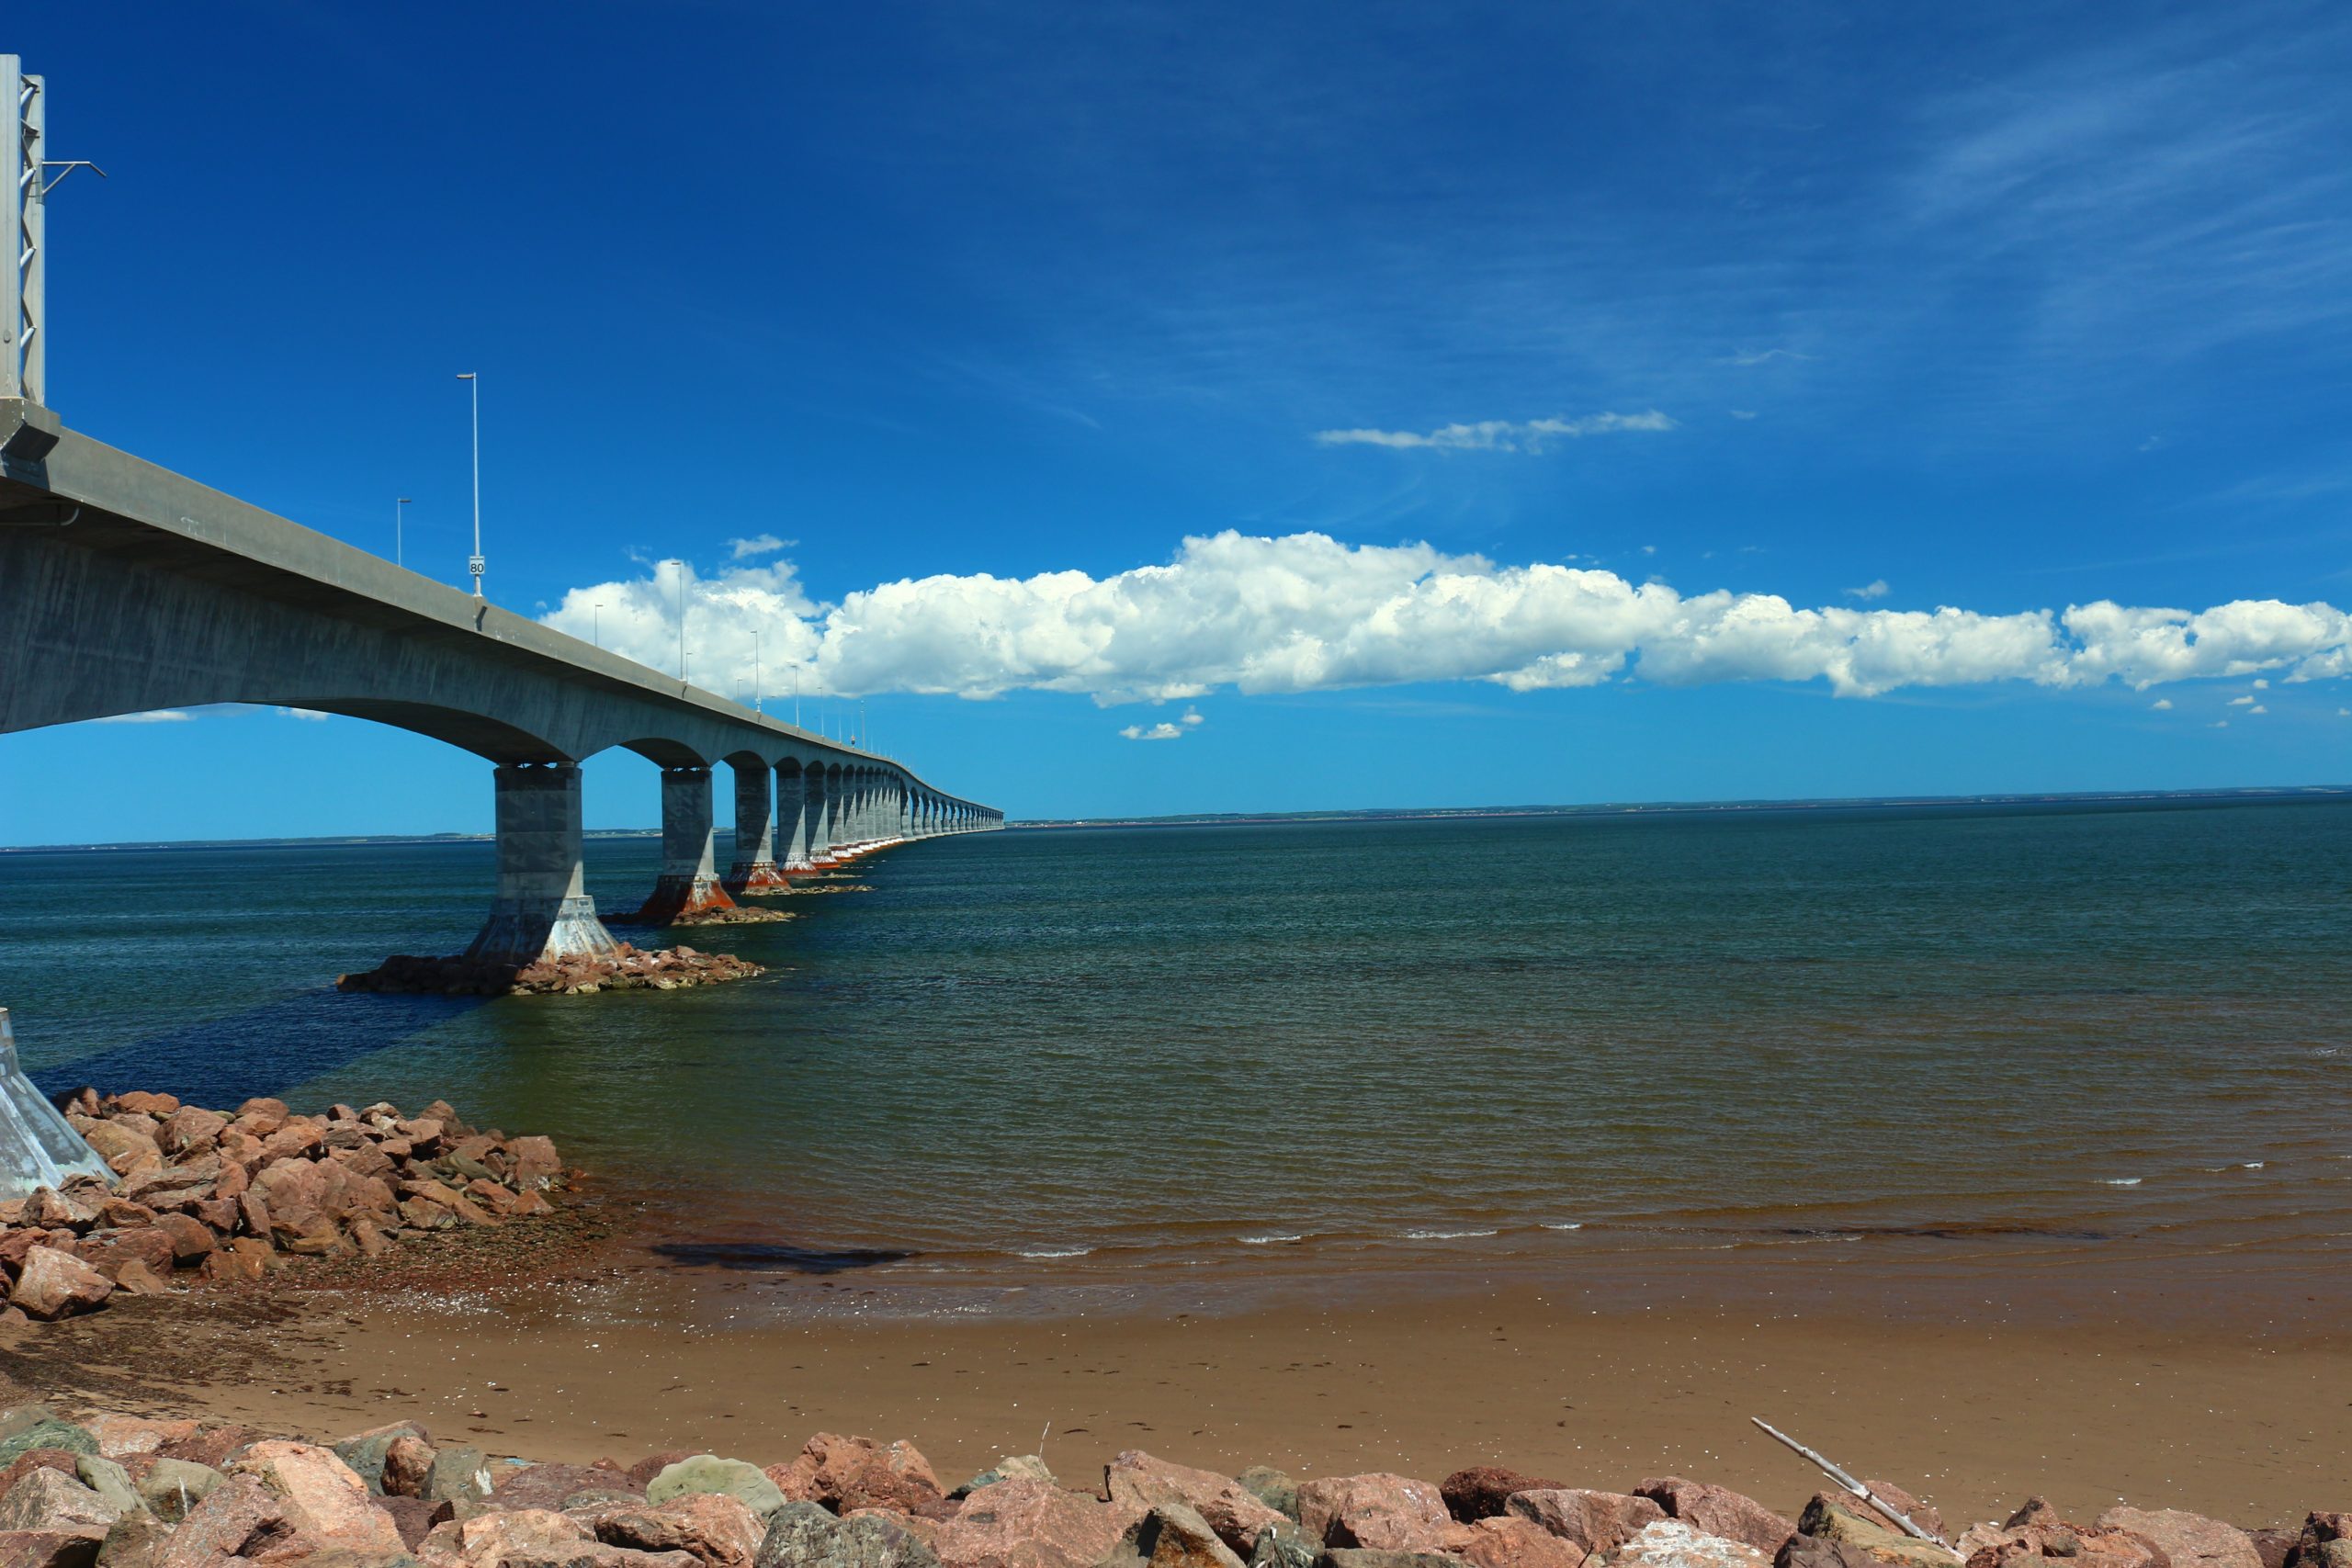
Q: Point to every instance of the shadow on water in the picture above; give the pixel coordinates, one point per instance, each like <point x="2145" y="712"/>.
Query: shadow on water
<point x="770" y="1257"/>
<point x="222" y="1061"/>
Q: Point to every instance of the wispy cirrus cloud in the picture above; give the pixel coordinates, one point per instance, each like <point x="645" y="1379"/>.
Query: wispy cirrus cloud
<point x="757" y="544"/>
<point x="1498" y="435"/>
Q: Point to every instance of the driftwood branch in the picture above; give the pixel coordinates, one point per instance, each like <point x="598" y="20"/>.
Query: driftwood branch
<point x="1852" y="1485"/>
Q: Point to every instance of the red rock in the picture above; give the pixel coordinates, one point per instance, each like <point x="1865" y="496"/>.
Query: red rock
<point x="2191" y="1541"/>
<point x="423" y="1135"/>
<point x="536" y="1535"/>
<point x="408" y="1465"/>
<point x="1023" y="1524"/>
<point x="1137" y="1481"/>
<point x="216" y="1214"/>
<point x="211" y="1444"/>
<point x="331" y="1501"/>
<point x="238" y="1520"/>
<point x="231" y="1265"/>
<point x="122" y="1214"/>
<point x="145" y="1104"/>
<point x="1507" y="1542"/>
<point x="646" y="1468"/>
<point x="296" y="1139"/>
<point x="252" y="1212"/>
<point x="415" y="1517"/>
<point x="190" y="1129"/>
<point x="845" y="1473"/>
<point x="197" y="1177"/>
<point x="132" y="1278"/>
<point x="368" y="1237"/>
<point x="47" y="1498"/>
<point x="150" y="1244"/>
<point x="190" y="1238"/>
<point x="530" y="1202"/>
<point x="493" y="1197"/>
<point x="55" y="1284"/>
<point x="49" y="1208"/>
<point x="1480" y="1492"/>
<point x="1716" y="1510"/>
<point x="124" y="1150"/>
<point x="120" y="1437"/>
<point x="63" y="1460"/>
<point x="1927" y="1516"/>
<point x="1386" y="1513"/>
<point x="16" y="1244"/>
<point x="550" y="1485"/>
<point x="534" y="1161"/>
<point x="713" y="1527"/>
<point x="2322" y="1543"/>
<point x="238" y="1148"/>
<point x="1596" y="1521"/>
<point x="52" y="1549"/>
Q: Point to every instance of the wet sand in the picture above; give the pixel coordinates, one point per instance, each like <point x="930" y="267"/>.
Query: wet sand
<point x="2247" y="1423"/>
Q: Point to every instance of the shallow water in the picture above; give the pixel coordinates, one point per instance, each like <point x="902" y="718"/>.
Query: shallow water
<point x="1088" y="1067"/>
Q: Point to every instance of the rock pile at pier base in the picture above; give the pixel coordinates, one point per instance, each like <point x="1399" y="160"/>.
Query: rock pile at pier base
<point x="662" y="969"/>
<point x="123" y="1491"/>
<point x="212" y="1197"/>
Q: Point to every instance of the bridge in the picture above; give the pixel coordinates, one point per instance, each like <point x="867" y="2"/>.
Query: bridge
<point x="126" y="588"/>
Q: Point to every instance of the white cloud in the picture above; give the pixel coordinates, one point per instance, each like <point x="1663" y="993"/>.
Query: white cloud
<point x="2241" y="701"/>
<point x="153" y="715"/>
<point x="1305" y="611"/>
<point x="311" y="714"/>
<point x="2161" y="704"/>
<point x="2258" y="708"/>
<point x="758" y="545"/>
<point x="1157" y="732"/>
<point x="1874" y="589"/>
<point x="1764" y="356"/>
<point x="2261" y="685"/>
<point x="1498" y="435"/>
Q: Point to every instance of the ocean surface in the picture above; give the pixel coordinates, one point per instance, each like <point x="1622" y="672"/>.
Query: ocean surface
<point x="1089" y="1069"/>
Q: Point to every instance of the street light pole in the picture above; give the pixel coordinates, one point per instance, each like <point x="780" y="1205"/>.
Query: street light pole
<point x="474" y="562"/>
<point x="598" y="624"/>
<point x="682" y="617"/>
<point x="400" y="556"/>
<point x="758" y="705"/>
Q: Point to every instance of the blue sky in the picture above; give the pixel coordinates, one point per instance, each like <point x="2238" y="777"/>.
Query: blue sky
<point x="1558" y="325"/>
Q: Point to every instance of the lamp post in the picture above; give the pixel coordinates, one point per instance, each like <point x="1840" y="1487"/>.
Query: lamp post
<point x="598" y="624"/>
<point x="758" y="705"/>
<point x="474" y="562"/>
<point x="398" y="554"/>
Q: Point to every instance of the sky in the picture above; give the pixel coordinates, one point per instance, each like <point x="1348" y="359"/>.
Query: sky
<point x="1139" y="408"/>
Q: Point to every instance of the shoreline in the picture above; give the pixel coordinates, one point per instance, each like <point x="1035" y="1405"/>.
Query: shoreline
<point x="575" y="1356"/>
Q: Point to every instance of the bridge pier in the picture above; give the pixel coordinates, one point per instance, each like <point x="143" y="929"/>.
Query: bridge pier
<point x="754" y="866"/>
<point x="542" y="910"/>
<point x="791" y="817"/>
<point x="689" y="882"/>
<point x="823" y="801"/>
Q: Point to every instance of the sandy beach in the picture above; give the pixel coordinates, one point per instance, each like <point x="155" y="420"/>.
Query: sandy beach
<point x="2241" y="1423"/>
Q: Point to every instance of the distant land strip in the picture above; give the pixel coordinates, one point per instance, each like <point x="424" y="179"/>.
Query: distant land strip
<point x="2082" y="800"/>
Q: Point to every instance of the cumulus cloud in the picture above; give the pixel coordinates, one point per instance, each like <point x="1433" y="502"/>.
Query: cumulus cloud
<point x="2241" y="701"/>
<point x="1156" y="732"/>
<point x="153" y="715"/>
<point x="1305" y="611"/>
<point x="1498" y="435"/>
<point x="1874" y="589"/>
<point x="757" y="544"/>
<point x="2161" y="704"/>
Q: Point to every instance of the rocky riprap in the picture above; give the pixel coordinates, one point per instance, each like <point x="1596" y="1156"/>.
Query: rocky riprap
<point x="215" y="1196"/>
<point x="661" y="969"/>
<point x="132" y="1492"/>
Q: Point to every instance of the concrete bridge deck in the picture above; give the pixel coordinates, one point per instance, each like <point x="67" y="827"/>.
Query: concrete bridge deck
<point x="126" y="587"/>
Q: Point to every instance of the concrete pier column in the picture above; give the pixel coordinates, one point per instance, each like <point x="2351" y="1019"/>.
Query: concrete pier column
<point x="754" y="865"/>
<point x="542" y="910"/>
<point x="791" y="817"/>
<point x="689" y="883"/>
<point x="818" y="812"/>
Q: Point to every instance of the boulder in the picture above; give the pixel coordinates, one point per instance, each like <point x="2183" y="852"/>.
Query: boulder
<point x="30" y="1427"/>
<point x="45" y="1499"/>
<point x="119" y="1437"/>
<point x="364" y="1451"/>
<point x="62" y="1460"/>
<point x="53" y="1210"/>
<point x="804" y="1535"/>
<point x="1024" y="1524"/>
<point x="712" y="1526"/>
<point x="211" y="1443"/>
<point x="849" y="1474"/>
<point x="1272" y="1488"/>
<point x="171" y="1488"/>
<point x="555" y="1486"/>
<point x="415" y="1517"/>
<point x="1811" y="1551"/>
<point x="1366" y="1557"/>
<point x="1596" y="1521"/>
<point x="110" y="1252"/>
<point x="191" y="1239"/>
<point x="2191" y="1541"/>
<point x="56" y="1284"/>
<point x="408" y="1466"/>
<point x="494" y="1539"/>
<point x="2036" y="1531"/>
<point x="1927" y="1516"/>
<point x="132" y="1278"/>
<point x="190" y="1129"/>
<point x="235" y="1265"/>
<point x="140" y="1103"/>
<point x="1017" y="1467"/>
<point x="110" y="1482"/>
<point x="1481" y="1492"/>
<point x="1285" y="1545"/>
<point x="1171" y="1536"/>
<point x="1719" y="1511"/>
<point x="2324" y="1541"/>
<point x="75" y="1548"/>
<point x="1830" y="1519"/>
<point x="329" y="1501"/>
<point x="1384" y="1512"/>
<point x="2276" y="1544"/>
<point x="124" y="1150"/>
<point x="1137" y="1481"/>
<point x="709" y="1472"/>
<point x="1506" y="1541"/>
<point x="534" y="1161"/>
<point x="459" y="1471"/>
<point x="1677" y="1543"/>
